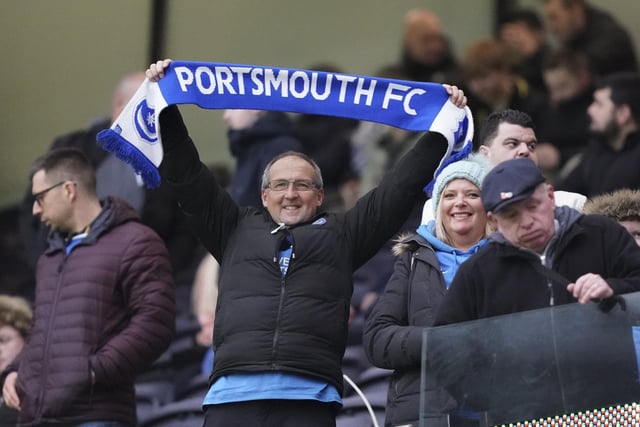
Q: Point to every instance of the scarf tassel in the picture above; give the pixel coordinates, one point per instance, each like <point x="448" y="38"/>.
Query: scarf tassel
<point x="124" y="150"/>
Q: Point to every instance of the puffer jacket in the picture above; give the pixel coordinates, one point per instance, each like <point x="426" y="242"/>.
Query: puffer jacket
<point x="393" y="333"/>
<point x="107" y="307"/>
<point x="298" y="323"/>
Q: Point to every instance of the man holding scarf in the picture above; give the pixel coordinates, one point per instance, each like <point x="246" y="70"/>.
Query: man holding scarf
<point x="286" y="270"/>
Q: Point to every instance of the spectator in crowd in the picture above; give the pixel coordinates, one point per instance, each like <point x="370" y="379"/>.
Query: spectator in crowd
<point x="255" y="137"/>
<point x="488" y="69"/>
<point x="16" y="275"/>
<point x="622" y="205"/>
<point x="523" y="33"/>
<point x="426" y="51"/>
<point x="427" y="261"/>
<point x="611" y="159"/>
<point x="508" y="134"/>
<point x="594" y="33"/>
<point x="123" y="185"/>
<point x="564" y="129"/>
<point x="511" y="134"/>
<point x="104" y="307"/>
<point x="116" y="178"/>
<point x="15" y="324"/>
<point x="597" y="256"/>
<point x="285" y="271"/>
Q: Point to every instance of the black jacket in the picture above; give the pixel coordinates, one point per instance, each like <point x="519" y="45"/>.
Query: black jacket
<point x="296" y="324"/>
<point x="394" y="331"/>
<point x="605" y="43"/>
<point x="500" y="278"/>
<point x="602" y="169"/>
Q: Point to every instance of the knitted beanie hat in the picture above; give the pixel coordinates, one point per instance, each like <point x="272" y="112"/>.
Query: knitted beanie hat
<point x="474" y="168"/>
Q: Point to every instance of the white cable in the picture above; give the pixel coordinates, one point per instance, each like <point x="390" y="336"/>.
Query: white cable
<point x="364" y="399"/>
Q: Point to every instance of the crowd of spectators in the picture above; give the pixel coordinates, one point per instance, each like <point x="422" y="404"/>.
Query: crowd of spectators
<point x="571" y="67"/>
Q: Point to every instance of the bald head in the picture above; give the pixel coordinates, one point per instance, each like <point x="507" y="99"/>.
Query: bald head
<point x="423" y="38"/>
<point x="421" y="19"/>
<point x="124" y="90"/>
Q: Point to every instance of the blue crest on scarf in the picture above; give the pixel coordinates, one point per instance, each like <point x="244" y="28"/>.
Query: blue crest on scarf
<point x="145" y="121"/>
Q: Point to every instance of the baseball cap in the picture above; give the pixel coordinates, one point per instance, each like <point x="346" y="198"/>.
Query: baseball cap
<point x="509" y="182"/>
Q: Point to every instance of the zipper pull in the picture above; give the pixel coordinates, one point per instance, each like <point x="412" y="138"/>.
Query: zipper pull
<point x="278" y="228"/>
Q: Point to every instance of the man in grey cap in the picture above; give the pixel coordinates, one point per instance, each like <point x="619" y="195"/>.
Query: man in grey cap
<point x="541" y="255"/>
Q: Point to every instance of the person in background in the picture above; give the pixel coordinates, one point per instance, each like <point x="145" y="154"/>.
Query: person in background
<point x="611" y="159"/>
<point x="286" y="270"/>
<point x="578" y="26"/>
<point x="622" y="205"/>
<point x="255" y="137"/>
<point x="104" y="307"/>
<point x="523" y="33"/>
<point x="116" y="178"/>
<point x="489" y="71"/>
<point x="427" y="261"/>
<point x="123" y="183"/>
<point x="15" y="325"/>
<point x="426" y="53"/>
<point x="511" y="134"/>
<point x="564" y="130"/>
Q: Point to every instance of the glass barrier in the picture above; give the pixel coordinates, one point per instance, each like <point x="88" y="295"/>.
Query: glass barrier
<point x="571" y="365"/>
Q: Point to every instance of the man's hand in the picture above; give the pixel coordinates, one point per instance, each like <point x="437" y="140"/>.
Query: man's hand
<point x="454" y="121"/>
<point x="9" y="392"/>
<point x="156" y="71"/>
<point x="589" y="287"/>
<point x="456" y="95"/>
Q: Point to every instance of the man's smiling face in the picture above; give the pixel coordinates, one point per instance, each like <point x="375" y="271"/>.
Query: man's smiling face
<point x="294" y="204"/>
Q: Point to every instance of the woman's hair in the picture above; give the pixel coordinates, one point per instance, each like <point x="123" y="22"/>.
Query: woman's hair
<point x="16" y="312"/>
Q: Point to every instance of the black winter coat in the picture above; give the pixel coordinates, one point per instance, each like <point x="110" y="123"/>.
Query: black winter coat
<point x="296" y="324"/>
<point x="394" y="331"/>
<point x="603" y="170"/>
<point x="500" y="278"/>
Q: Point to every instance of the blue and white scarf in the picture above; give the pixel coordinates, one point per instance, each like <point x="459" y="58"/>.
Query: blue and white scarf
<point x="135" y="135"/>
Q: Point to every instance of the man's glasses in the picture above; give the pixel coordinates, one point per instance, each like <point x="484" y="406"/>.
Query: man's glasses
<point x="39" y="196"/>
<point x="298" y="184"/>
